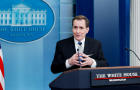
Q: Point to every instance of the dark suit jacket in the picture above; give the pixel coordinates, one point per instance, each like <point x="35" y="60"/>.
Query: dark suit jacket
<point x="66" y="48"/>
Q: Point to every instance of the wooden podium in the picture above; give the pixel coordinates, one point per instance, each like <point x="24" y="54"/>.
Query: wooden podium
<point x="102" y="78"/>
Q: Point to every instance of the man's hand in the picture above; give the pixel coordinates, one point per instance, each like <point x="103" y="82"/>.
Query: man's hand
<point x="74" y="60"/>
<point x="86" y="60"/>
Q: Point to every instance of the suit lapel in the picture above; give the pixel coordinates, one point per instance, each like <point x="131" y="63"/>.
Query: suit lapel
<point x="86" y="46"/>
<point x="72" y="46"/>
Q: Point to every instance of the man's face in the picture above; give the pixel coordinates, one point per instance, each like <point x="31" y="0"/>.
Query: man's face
<point x="79" y="29"/>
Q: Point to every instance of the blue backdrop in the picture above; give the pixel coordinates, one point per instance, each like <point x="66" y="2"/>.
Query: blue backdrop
<point x="110" y="25"/>
<point x="27" y="65"/>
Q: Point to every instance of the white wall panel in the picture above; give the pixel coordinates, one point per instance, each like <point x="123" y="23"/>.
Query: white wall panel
<point x="135" y="32"/>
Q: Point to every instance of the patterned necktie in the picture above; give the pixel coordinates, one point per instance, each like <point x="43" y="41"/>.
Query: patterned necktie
<point x="80" y="48"/>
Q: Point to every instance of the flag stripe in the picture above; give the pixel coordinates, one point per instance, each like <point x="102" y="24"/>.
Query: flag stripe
<point x="1" y="66"/>
<point x="1" y="88"/>
<point x="2" y="82"/>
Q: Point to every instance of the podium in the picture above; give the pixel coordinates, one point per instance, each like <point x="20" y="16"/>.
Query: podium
<point x="100" y="78"/>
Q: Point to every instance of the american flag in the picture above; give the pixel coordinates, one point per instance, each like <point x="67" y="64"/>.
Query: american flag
<point x="2" y="84"/>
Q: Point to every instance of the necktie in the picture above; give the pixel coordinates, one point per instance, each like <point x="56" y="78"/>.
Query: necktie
<point x="80" y="50"/>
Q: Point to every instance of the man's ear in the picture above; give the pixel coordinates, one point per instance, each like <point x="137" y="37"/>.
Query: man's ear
<point x="87" y="29"/>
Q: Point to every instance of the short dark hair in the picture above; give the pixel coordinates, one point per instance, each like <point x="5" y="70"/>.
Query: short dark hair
<point x="81" y="17"/>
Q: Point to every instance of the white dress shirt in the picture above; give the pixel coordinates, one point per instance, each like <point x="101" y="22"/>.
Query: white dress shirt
<point x="76" y="47"/>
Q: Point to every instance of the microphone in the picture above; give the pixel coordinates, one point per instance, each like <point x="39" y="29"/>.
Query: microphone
<point x="133" y="53"/>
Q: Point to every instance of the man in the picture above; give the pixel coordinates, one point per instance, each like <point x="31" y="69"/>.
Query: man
<point x="78" y="51"/>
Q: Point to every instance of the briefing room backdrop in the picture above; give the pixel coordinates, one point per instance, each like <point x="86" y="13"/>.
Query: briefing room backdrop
<point x="27" y="65"/>
<point x="110" y="24"/>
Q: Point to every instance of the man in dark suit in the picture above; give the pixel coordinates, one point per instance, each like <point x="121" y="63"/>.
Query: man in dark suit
<point x="78" y="50"/>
